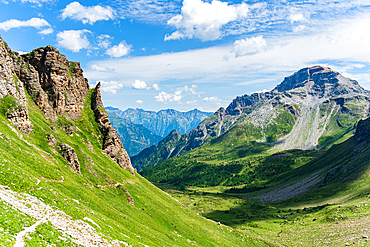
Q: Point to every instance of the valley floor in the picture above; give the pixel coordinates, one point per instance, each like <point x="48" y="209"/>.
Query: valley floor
<point x="321" y="223"/>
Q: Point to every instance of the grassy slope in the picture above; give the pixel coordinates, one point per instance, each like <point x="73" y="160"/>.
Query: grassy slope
<point x="155" y="219"/>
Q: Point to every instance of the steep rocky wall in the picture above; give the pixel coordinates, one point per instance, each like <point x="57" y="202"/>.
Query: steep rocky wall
<point x="112" y="145"/>
<point x="63" y="86"/>
<point x="10" y="85"/>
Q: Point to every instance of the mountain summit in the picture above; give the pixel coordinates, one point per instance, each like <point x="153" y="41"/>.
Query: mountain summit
<point x="321" y="80"/>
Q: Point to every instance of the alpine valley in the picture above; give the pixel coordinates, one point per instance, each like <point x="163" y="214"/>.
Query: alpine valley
<point x="288" y="167"/>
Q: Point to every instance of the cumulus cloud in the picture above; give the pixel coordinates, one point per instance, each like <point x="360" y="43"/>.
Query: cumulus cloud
<point x="34" y="22"/>
<point x="139" y="101"/>
<point x="249" y="46"/>
<point x="73" y="40"/>
<point x="91" y="14"/>
<point x="103" y="41"/>
<point x="120" y="50"/>
<point x="205" y="20"/>
<point x="178" y="95"/>
<point x="155" y="86"/>
<point x="110" y="86"/>
<point x="212" y="99"/>
<point x="297" y="16"/>
<point x="191" y="90"/>
<point x="139" y="85"/>
<point x="46" y="31"/>
<point x="164" y="97"/>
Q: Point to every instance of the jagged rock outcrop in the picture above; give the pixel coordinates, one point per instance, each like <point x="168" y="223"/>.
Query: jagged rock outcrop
<point x="70" y="155"/>
<point x="363" y="130"/>
<point x="13" y="89"/>
<point x="54" y="81"/>
<point x="112" y="145"/>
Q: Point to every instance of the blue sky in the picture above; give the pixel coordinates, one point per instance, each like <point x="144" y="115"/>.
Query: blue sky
<point x="187" y="54"/>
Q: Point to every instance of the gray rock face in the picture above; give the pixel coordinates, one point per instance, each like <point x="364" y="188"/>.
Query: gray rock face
<point x="112" y="145"/>
<point x="11" y="86"/>
<point x="70" y="155"/>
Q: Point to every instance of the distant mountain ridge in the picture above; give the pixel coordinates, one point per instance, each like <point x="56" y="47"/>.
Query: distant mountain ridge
<point x="311" y="109"/>
<point x="134" y="137"/>
<point x="162" y="122"/>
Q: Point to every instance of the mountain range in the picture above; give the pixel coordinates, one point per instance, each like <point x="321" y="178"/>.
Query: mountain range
<point x="311" y="109"/>
<point x="162" y="122"/>
<point x="134" y="137"/>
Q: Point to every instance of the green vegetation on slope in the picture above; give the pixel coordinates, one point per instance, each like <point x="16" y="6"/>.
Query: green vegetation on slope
<point x="102" y="192"/>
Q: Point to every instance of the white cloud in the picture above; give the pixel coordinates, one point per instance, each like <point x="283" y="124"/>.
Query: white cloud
<point x="73" y="40"/>
<point x="205" y="20"/>
<point x="103" y="41"/>
<point x="212" y="99"/>
<point x="110" y="86"/>
<point x="298" y="16"/>
<point x="251" y="46"/>
<point x="164" y="97"/>
<point x="120" y="50"/>
<point x="190" y="102"/>
<point x="76" y="11"/>
<point x="299" y="28"/>
<point x="46" y="31"/>
<point x="22" y="52"/>
<point x="177" y="95"/>
<point x="139" y="85"/>
<point x="34" y="22"/>
<point x="100" y="68"/>
<point x="191" y="90"/>
<point x="155" y="86"/>
<point x="139" y="101"/>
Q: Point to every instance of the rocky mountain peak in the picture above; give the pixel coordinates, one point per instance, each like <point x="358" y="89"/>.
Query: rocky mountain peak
<point x="60" y="79"/>
<point x="320" y="80"/>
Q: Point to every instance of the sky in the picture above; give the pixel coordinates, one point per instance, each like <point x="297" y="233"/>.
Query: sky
<point x="186" y="54"/>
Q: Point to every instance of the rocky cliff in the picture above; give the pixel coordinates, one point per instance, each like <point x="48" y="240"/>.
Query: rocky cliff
<point x="112" y="145"/>
<point x="58" y="88"/>
<point x="12" y="89"/>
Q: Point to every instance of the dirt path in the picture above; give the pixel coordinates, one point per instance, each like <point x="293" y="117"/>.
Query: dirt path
<point x="19" y="239"/>
<point x="80" y="231"/>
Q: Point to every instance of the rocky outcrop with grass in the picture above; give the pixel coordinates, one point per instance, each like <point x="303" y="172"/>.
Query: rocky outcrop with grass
<point x="59" y="89"/>
<point x="112" y="145"/>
